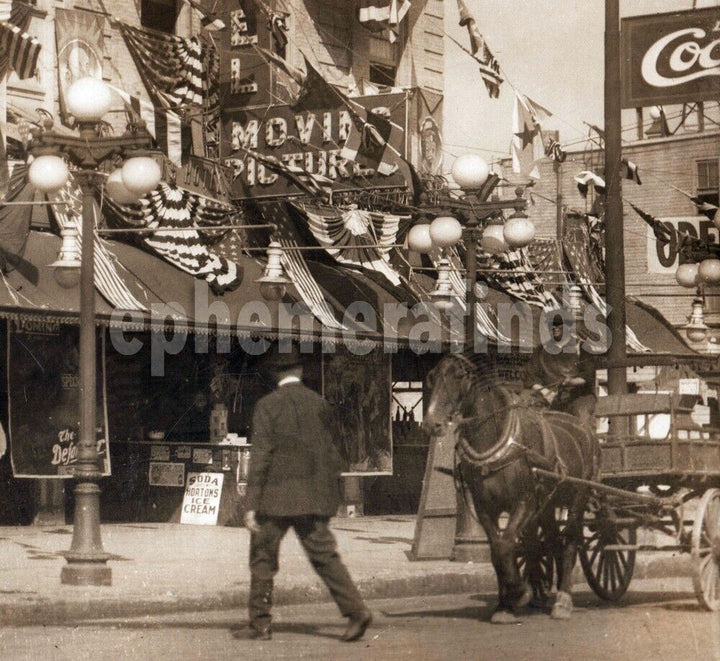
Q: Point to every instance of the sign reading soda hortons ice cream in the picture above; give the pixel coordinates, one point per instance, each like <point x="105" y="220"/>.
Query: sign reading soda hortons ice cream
<point x="671" y="58"/>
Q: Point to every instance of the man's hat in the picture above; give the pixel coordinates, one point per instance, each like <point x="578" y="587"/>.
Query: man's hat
<point x="280" y="356"/>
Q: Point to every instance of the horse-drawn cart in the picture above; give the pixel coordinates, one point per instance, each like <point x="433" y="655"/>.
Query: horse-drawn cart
<point x="662" y="474"/>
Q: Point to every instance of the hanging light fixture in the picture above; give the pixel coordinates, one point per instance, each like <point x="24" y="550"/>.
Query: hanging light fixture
<point x="519" y="230"/>
<point x="443" y="296"/>
<point x="67" y="266"/>
<point x="273" y="283"/>
<point x="696" y="330"/>
<point x="493" y="237"/>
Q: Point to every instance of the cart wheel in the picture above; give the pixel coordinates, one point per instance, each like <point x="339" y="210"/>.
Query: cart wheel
<point x="608" y="572"/>
<point x="536" y="564"/>
<point x="706" y="550"/>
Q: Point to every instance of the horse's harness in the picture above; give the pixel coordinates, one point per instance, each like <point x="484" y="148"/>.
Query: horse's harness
<point x="509" y="446"/>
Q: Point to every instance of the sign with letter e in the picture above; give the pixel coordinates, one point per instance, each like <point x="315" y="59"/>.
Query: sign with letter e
<point x="201" y="502"/>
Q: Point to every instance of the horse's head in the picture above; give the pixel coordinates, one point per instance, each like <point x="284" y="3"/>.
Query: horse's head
<point x="449" y="382"/>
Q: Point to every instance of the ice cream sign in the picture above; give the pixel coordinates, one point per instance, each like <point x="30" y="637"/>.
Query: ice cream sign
<point x="671" y="58"/>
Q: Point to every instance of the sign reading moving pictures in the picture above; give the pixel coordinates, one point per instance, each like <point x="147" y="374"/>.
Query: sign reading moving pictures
<point x="359" y="390"/>
<point x="44" y="400"/>
<point x="310" y="140"/>
<point x="671" y="58"/>
<point x="663" y="257"/>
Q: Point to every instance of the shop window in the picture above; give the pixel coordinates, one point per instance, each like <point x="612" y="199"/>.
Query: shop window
<point x="381" y="74"/>
<point x="708" y="181"/>
<point x="407" y="409"/>
<point x="159" y="14"/>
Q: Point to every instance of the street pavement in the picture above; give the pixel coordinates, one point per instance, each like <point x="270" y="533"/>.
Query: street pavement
<point x="165" y="568"/>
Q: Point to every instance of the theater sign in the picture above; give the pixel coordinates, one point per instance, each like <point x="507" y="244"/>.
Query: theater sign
<point x="310" y="140"/>
<point x="671" y="58"/>
<point x="663" y="257"/>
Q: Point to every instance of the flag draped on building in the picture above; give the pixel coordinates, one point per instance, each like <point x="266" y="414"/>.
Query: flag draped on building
<point x="164" y="125"/>
<point x="489" y="66"/>
<point x="107" y="279"/>
<point x="18" y="50"/>
<point x="587" y="272"/>
<point x="379" y="15"/>
<point x="374" y="141"/>
<point x="527" y="143"/>
<point x="355" y="236"/>
<point x="295" y="266"/>
<point x="179" y="217"/>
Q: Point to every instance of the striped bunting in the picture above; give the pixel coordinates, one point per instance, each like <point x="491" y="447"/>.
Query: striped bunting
<point x="167" y="208"/>
<point x="174" y="69"/>
<point x="354" y="236"/>
<point x="295" y="266"/>
<point x="484" y="321"/>
<point x="163" y="125"/>
<point x="513" y="272"/>
<point x="22" y="50"/>
<point x="107" y="280"/>
<point x="576" y="242"/>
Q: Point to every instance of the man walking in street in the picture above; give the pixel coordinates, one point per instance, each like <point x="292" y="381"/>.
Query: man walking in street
<point x="294" y="481"/>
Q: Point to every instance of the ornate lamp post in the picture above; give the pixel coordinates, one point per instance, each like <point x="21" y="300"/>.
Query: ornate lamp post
<point x="88" y="99"/>
<point x="481" y="224"/>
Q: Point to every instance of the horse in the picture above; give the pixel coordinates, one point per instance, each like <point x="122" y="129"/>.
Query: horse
<point x="500" y="437"/>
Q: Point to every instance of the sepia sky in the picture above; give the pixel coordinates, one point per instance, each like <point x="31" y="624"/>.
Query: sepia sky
<point x="550" y="50"/>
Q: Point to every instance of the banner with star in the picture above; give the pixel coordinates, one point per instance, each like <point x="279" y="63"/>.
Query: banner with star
<point x="527" y="144"/>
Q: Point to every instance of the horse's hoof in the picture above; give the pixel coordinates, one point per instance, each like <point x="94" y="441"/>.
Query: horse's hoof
<point x="563" y="607"/>
<point x="524" y="599"/>
<point x="502" y="616"/>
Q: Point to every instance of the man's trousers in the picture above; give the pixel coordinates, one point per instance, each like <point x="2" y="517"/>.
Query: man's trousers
<point x="319" y="544"/>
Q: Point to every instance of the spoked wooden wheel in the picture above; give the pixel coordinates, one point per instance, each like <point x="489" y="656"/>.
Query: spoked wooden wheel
<point x="536" y="564"/>
<point x="706" y="550"/>
<point x="608" y="570"/>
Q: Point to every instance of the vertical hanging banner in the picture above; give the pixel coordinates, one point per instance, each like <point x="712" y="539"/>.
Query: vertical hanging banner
<point x="79" y="36"/>
<point x="358" y="387"/>
<point x="44" y="399"/>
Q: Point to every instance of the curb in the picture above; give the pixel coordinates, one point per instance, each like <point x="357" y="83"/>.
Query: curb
<point x="63" y="611"/>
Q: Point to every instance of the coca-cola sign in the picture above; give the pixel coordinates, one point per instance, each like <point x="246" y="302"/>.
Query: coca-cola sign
<point x="671" y="58"/>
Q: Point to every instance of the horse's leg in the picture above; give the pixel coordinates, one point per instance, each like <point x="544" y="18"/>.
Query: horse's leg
<point x="513" y="591"/>
<point x="573" y="529"/>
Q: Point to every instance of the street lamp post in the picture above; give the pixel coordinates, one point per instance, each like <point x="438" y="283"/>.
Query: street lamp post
<point x="480" y="226"/>
<point x="88" y="100"/>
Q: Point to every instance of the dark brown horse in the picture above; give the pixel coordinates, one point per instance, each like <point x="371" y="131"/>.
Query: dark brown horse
<point x="500" y="438"/>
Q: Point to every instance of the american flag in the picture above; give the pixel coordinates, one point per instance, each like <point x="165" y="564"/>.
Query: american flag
<point x="662" y="232"/>
<point x="18" y="50"/>
<point x="355" y="236"/>
<point x="378" y="15"/>
<point x="374" y="141"/>
<point x="513" y="272"/>
<point x="167" y="209"/>
<point x="107" y="279"/>
<point x="293" y="261"/>
<point x="174" y="69"/>
<point x="555" y="152"/>
<point x="546" y="257"/>
<point x="576" y="242"/>
<point x="489" y="66"/>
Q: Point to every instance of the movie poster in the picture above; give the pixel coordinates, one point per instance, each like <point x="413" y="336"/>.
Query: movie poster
<point x="44" y="399"/>
<point x="358" y="387"/>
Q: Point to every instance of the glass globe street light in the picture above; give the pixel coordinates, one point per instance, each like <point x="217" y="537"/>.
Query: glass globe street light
<point x="88" y="99"/>
<point x="273" y="282"/>
<point x="475" y="219"/>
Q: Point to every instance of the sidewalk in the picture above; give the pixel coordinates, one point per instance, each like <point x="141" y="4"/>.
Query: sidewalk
<point x="171" y="567"/>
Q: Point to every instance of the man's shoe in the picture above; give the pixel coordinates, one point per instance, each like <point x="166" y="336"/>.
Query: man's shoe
<point x="357" y="625"/>
<point x="260" y="633"/>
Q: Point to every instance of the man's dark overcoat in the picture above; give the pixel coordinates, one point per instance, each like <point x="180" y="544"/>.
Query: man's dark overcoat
<point x="295" y="467"/>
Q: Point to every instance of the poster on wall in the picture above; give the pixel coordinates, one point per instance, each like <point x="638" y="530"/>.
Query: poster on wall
<point x="80" y="49"/>
<point x="358" y="388"/>
<point x="44" y="399"/>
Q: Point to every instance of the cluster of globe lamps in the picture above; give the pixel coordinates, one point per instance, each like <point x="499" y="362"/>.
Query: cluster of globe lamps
<point x="88" y="100"/>
<point x="469" y="173"/>
<point x="697" y="276"/>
